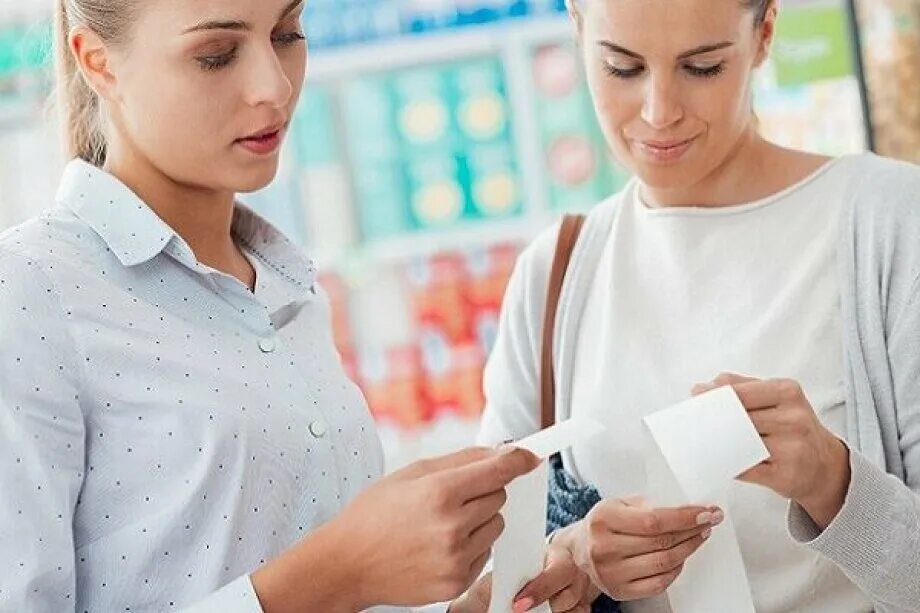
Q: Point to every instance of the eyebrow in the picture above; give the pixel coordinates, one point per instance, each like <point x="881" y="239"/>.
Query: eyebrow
<point x="686" y="54"/>
<point x="240" y="25"/>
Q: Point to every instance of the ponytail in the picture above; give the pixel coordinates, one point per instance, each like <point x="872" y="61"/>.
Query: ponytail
<point x="78" y="104"/>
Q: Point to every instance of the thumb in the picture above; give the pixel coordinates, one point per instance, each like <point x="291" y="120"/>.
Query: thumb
<point x="723" y="379"/>
<point x="559" y="572"/>
<point x="481" y="592"/>
<point x="463" y="457"/>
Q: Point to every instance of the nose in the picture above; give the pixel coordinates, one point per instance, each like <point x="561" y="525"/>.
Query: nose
<point x="268" y="82"/>
<point x="661" y="107"/>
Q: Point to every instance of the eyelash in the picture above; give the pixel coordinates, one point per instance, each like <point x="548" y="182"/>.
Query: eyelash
<point x="706" y="73"/>
<point x="216" y="62"/>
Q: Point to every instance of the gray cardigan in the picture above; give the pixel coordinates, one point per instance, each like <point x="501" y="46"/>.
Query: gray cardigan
<point x="875" y="539"/>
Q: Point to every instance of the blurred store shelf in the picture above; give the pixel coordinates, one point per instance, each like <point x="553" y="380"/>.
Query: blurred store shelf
<point x="437" y="47"/>
<point x="457" y="239"/>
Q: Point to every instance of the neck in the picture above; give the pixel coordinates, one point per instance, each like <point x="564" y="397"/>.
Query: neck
<point x="202" y="217"/>
<point x="744" y="176"/>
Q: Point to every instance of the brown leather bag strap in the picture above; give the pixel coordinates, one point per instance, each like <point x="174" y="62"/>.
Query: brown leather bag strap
<point x="565" y="245"/>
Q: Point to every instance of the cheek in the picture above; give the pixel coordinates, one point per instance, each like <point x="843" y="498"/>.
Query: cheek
<point x="296" y="69"/>
<point x="181" y="121"/>
<point x="297" y="76"/>
<point x="182" y="110"/>
<point x="724" y="105"/>
<point x="615" y="101"/>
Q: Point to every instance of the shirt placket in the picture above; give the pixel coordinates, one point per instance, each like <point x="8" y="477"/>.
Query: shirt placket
<point x="320" y="454"/>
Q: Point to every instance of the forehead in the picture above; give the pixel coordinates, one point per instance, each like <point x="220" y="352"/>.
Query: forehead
<point x="667" y="27"/>
<point x="182" y="14"/>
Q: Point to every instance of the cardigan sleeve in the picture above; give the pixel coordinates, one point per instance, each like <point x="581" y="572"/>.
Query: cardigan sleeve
<point x="875" y="538"/>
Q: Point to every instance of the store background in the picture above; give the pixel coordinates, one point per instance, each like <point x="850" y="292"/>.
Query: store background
<point x="436" y="137"/>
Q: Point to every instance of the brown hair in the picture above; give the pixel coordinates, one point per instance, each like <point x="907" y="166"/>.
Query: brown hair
<point x="79" y="106"/>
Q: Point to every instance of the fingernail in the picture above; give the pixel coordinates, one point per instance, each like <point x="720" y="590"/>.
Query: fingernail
<point x="706" y="533"/>
<point x="717" y="518"/>
<point x="522" y="606"/>
<point x="704" y="518"/>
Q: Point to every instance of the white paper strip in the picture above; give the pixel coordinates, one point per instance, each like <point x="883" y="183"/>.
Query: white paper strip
<point x="563" y="435"/>
<point x="519" y="553"/>
<point x="693" y="452"/>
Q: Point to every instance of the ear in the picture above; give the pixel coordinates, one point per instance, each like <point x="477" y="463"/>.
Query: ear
<point x="575" y="15"/>
<point x="766" y="33"/>
<point x="94" y="61"/>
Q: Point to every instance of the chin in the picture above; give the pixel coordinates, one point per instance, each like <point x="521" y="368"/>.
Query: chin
<point x="677" y="175"/>
<point x="253" y="178"/>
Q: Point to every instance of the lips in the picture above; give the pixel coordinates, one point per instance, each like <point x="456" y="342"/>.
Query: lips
<point x="267" y="132"/>
<point x="264" y="141"/>
<point x="662" y="151"/>
<point x="665" y="145"/>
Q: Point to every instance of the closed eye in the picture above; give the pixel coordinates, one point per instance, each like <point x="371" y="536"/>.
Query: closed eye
<point x="288" y="38"/>
<point x="217" y="61"/>
<point x="623" y="73"/>
<point x="707" y="72"/>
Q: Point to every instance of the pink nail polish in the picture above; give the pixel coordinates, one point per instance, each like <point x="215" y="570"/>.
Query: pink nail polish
<point x="522" y="606"/>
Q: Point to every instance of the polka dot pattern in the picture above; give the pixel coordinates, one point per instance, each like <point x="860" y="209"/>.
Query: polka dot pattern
<point x="163" y="430"/>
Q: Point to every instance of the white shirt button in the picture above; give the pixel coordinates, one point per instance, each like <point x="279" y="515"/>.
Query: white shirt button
<point x="267" y="345"/>
<point x="318" y="429"/>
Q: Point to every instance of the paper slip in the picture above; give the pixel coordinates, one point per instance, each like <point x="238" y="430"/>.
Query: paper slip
<point x="693" y="451"/>
<point x="519" y="553"/>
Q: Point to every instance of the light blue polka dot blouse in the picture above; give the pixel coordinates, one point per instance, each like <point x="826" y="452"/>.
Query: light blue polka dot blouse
<point x="163" y="430"/>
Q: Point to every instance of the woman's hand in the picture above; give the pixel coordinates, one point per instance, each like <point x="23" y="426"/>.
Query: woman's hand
<point x="631" y="551"/>
<point x="562" y="584"/>
<point x="808" y="463"/>
<point x="421" y="535"/>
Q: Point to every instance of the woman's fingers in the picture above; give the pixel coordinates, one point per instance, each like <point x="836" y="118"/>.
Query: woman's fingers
<point x="569" y="598"/>
<point x="647" y="587"/>
<point x="481" y="540"/>
<point x="661" y="562"/>
<point x="631" y="546"/>
<point x="554" y="579"/>
<point x="619" y="517"/>
<point x="482" y="510"/>
<point x="489" y="475"/>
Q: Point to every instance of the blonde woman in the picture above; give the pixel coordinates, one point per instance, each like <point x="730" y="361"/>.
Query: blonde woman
<point x="176" y="430"/>
<point x="728" y="254"/>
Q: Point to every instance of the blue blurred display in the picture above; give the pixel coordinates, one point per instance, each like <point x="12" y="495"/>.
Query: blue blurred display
<point x="332" y="23"/>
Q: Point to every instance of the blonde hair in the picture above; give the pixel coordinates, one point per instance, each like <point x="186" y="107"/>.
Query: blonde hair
<point x="761" y="7"/>
<point x="80" y="109"/>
